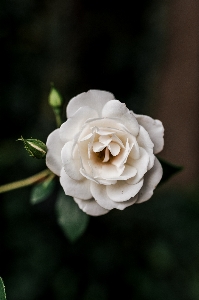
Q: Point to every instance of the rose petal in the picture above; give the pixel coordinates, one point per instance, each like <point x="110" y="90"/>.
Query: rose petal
<point x="100" y="195"/>
<point x="116" y="109"/>
<point x="122" y="157"/>
<point x="116" y="139"/>
<point x="128" y="172"/>
<point x="71" y="164"/>
<point x="73" y="125"/>
<point x="151" y="180"/>
<point x="53" y="156"/>
<point x="109" y="171"/>
<point x="90" y="207"/>
<point x="121" y="191"/>
<point x="144" y="139"/>
<point x="105" y="139"/>
<point x="135" y="150"/>
<point x="106" y="125"/>
<point x="86" y="175"/>
<point x="145" y="142"/>
<point x="123" y="205"/>
<point x="94" y="99"/>
<point x="114" y="148"/>
<point x="106" y="182"/>
<point x="75" y="188"/>
<point x="87" y="137"/>
<point x="155" y="130"/>
<point x="107" y="155"/>
<point x="97" y="146"/>
<point x="102" y="131"/>
<point x="140" y="164"/>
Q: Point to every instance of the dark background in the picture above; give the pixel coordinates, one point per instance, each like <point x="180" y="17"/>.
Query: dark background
<point x="145" y="53"/>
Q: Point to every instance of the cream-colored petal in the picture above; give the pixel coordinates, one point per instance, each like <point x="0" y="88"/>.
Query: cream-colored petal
<point x="53" y="156"/>
<point x="75" y="188"/>
<point x="87" y="137"/>
<point x="91" y="207"/>
<point x="116" y="139"/>
<point x="105" y="139"/>
<point x="97" y="146"/>
<point x="95" y="99"/>
<point x="103" y="131"/>
<point x="100" y="195"/>
<point x="107" y="155"/>
<point x="109" y="171"/>
<point x="141" y="165"/>
<point x="155" y="130"/>
<point x="71" y="163"/>
<point x="74" y="124"/>
<point x="116" y="109"/>
<point x="122" y="191"/>
<point x="128" y="172"/>
<point x="122" y="157"/>
<point x="123" y="205"/>
<point x="145" y="142"/>
<point x="114" y="148"/>
<point x="151" y="180"/>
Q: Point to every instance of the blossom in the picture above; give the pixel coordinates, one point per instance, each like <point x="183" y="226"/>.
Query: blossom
<point x="104" y="153"/>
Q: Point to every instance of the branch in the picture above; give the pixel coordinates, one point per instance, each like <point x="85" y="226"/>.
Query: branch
<point x="25" y="182"/>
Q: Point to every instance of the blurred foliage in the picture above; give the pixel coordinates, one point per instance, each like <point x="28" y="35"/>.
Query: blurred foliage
<point x="148" y="251"/>
<point x="2" y="290"/>
<point x="168" y="170"/>
<point x="72" y="220"/>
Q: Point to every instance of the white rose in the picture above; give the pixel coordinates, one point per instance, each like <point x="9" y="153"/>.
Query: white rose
<point x="104" y="153"/>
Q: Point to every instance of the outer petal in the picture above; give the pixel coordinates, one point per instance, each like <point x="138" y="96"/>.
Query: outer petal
<point x="75" y="188"/>
<point x="53" y="156"/>
<point x="121" y="191"/>
<point x="151" y="179"/>
<point x="91" y="207"/>
<point x="101" y="197"/>
<point x="155" y="130"/>
<point x="95" y="99"/>
<point x="145" y="142"/>
<point x="116" y="109"/>
<point x="73" y="125"/>
<point x="72" y="165"/>
<point x="140" y="164"/>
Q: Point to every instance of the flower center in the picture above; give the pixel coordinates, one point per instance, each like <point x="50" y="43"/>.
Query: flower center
<point x="104" y="155"/>
<point x="106" y="148"/>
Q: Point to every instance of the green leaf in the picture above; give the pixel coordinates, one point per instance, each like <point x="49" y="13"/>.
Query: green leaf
<point x="168" y="170"/>
<point x="42" y="191"/>
<point x="72" y="220"/>
<point x="2" y="290"/>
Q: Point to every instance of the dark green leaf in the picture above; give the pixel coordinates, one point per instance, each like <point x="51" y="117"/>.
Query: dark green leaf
<point x="168" y="170"/>
<point x="2" y="290"/>
<point x="72" y="220"/>
<point x="42" y="191"/>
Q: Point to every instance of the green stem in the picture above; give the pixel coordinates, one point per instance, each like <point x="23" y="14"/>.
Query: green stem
<point x="25" y="182"/>
<point x="58" y="120"/>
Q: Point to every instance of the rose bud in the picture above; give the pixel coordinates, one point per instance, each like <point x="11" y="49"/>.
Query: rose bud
<point x="35" y="148"/>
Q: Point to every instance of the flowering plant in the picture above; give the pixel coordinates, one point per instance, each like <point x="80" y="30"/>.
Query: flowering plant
<point x="103" y="155"/>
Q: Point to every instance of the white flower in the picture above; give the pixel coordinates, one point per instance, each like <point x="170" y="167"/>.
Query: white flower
<point x="104" y="153"/>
